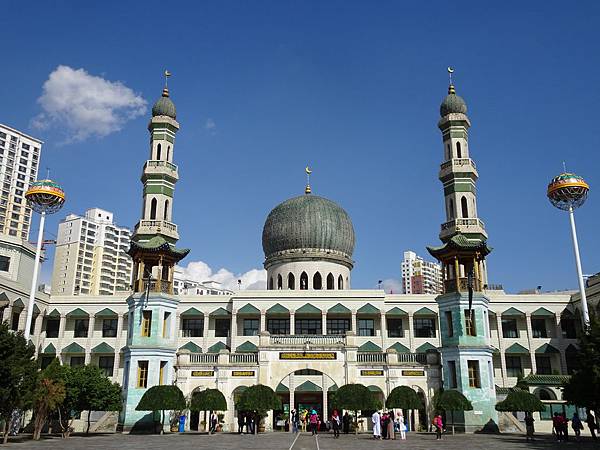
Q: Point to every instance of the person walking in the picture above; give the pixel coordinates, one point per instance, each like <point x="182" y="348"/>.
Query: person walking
<point x="557" y="426"/>
<point x="439" y="426"/>
<point x="346" y="422"/>
<point x="376" y="419"/>
<point x="314" y="422"/>
<point x="401" y="426"/>
<point x="591" y="422"/>
<point x="214" y="420"/>
<point x="304" y="418"/>
<point x="577" y="426"/>
<point x="335" y="424"/>
<point x="295" y="421"/>
<point x="384" y="421"/>
<point x="390" y="426"/>
<point x="529" y="427"/>
<point x="241" y="422"/>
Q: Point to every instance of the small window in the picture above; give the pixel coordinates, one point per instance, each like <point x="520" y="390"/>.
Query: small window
<point x="474" y="377"/>
<point x="278" y="326"/>
<point x="394" y="328"/>
<point x="330" y="282"/>
<point x="464" y="207"/>
<point x="366" y="327"/>
<point x="4" y="263"/>
<point x="568" y="327"/>
<point x="77" y="361"/>
<point x="161" y="372"/>
<point x="452" y="381"/>
<point x="222" y="327"/>
<point x="449" y="324"/>
<point x="424" y="328"/>
<point x="509" y="328"/>
<point x="303" y="281"/>
<point x="538" y="328"/>
<point x="470" y="323"/>
<point x="142" y="375"/>
<point x="146" y="323"/>
<point x="107" y="365"/>
<point x="81" y="327"/>
<point x="308" y="326"/>
<point x="192" y="327"/>
<point x="513" y="366"/>
<point x="338" y="326"/>
<point x="166" y="211"/>
<point x="543" y="364"/>
<point x="317" y="281"/>
<point x="291" y="281"/>
<point x="340" y="283"/>
<point x="458" y="150"/>
<point x="158" y="151"/>
<point x="279" y="282"/>
<point x="109" y="328"/>
<point x="251" y="327"/>
<point x="52" y="326"/>
<point x="153" y="209"/>
<point x="15" y="321"/>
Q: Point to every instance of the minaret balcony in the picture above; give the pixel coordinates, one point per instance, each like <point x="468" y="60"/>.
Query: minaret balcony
<point x="157" y="227"/>
<point x="465" y="226"/>
<point x="156" y="166"/>
<point x="462" y="165"/>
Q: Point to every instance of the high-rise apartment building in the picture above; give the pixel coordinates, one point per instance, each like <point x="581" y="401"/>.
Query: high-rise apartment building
<point x="19" y="161"/>
<point x="91" y="255"/>
<point x="183" y="285"/>
<point x="420" y="276"/>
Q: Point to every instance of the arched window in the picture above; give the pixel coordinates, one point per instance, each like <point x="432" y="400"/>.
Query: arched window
<point x="340" y="283"/>
<point x="458" y="150"/>
<point x="168" y="153"/>
<point x="330" y="282"/>
<point x="303" y="281"/>
<point x="464" y="207"/>
<point x="166" y="212"/>
<point x="317" y="281"/>
<point x="271" y="283"/>
<point x="153" y="209"/>
<point x="158" y="151"/>
<point x="451" y="209"/>
<point x="279" y="282"/>
<point x="291" y="281"/>
<point x="545" y="394"/>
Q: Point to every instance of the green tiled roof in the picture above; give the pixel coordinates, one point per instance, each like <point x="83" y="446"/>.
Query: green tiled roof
<point x="50" y="349"/>
<point x="277" y="309"/>
<point x="506" y="390"/>
<point x="308" y="309"/>
<point x="192" y="347"/>
<point x="247" y="347"/>
<point x="78" y="314"/>
<point x="249" y="309"/>
<point x="400" y="348"/>
<point x="546" y="348"/>
<point x="542" y="312"/>
<point x="513" y="312"/>
<point x="18" y="303"/>
<point x="517" y="349"/>
<point x="54" y="313"/>
<point x="217" y="347"/>
<point x="4" y="297"/>
<point x="158" y="244"/>
<point x="191" y="312"/>
<point x="396" y="312"/>
<point x="103" y="348"/>
<point x="106" y="313"/>
<point x="308" y="386"/>
<point x="426" y="346"/>
<point x="73" y="348"/>
<point x="368" y="309"/>
<point x="339" y="309"/>
<point x="548" y="380"/>
<point x="220" y="312"/>
<point x="425" y="312"/>
<point x="460" y="242"/>
<point x="369" y="347"/>
<point x="281" y="388"/>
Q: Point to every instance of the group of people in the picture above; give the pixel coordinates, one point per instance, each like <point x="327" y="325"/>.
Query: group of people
<point x="247" y="419"/>
<point x="385" y="425"/>
<point x="311" y="420"/>
<point x="560" y="426"/>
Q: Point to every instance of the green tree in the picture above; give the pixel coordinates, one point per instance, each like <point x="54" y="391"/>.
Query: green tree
<point x="18" y="372"/>
<point x="49" y="395"/>
<point x="583" y="389"/>
<point x="403" y="397"/>
<point x="450" y="401"/>
<point x="519" y="400"/>
<point x="161" y="398"/>
<point x="355" y="397"/>
<point x="259" y="398"/>
<point x="208" y="400"/>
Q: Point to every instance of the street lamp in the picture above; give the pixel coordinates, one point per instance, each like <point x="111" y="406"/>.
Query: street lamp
<point x="567" y="192"/>
<point x="44" y="197"/>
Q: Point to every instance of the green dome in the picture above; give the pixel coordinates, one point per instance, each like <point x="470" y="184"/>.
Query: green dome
<point x="164" y="106"/>
<point x="452" y="103"/>
<point x="308" y="222"/>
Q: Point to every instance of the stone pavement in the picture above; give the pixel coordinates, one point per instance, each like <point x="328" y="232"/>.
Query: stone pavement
<point x="285" y="441"/>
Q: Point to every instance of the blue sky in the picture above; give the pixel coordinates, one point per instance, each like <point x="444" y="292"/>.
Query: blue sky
<point x="351" y="88"/>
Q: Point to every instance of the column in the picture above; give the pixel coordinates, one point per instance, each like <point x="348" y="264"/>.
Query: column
<point x="263" y="320"/>
<point x="61" y="336"/>
<point x="457" y="274"/>
<point x="324" y="383"/>
<point x="561" y="347"/>
<point x="205" y="333"/>
<point x="383" y="328"/>
<point x="234" y="332"/>
<point x="530" y="343"/>
<point x="118" y="346"/>
<point x="501" y="348"/>
<point x="323" y="322"/>
<point x="37" y="330"/>
<point x="292" y="322"/>
<point x="292" y="387"/>
<point x="354" y="324"/>
<point x="411" y="332"/>
<point x="88" y="346"/>
<point x="7" y="313"/>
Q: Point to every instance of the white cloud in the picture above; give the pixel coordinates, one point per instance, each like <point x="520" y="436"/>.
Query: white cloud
<point x="210" y="126"/>
<point x="392" y="286"/>
<point x="86" y="105"/>
<point x="252" y="280"/>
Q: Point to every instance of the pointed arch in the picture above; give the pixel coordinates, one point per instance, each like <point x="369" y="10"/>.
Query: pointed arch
<point x="317" y="281"/>
<point x="271" y="283"/>
<point x="158" y="151"/>
<point x="303" y="281"/>
<point x="458" y="150"/>
<point x="330" y="282"/>
<point x="166" y="211"/>
<point x="464" y="207"/>
<point x="169" y="153"/>
<point x="153" y="209"/>
<point x="279" y="282"/>
<point x="291" y="281"/>
<point x="340" y="283"/>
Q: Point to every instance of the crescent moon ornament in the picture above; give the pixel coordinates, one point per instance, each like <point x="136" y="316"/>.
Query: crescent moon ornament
<point x="450" y="69"/>
<point x="307" y="170"/>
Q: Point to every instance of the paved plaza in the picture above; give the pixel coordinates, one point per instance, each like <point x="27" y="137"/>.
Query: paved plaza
<point x="285" y="441"/>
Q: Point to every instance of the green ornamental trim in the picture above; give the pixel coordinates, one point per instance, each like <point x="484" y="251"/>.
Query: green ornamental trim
<point x="36" y="310"/>
<point x="18" y="303"/>
<point x="191" y="347"/>
<point x="153" y="189"/>
<point x="542" y="312"/>
<point x="249" y="309"/>
<point x="192" y="312"/>
<point x="50" y="349"/>
<point x="546" y="349"/>
<point x="396" y="312"/>
<point x="78" y="314"/>
<point x="425" y="312"/>
<point x="516" y="349"/>
<point x="103" y="348"/>
<point x="220" y="312"/>
<point x="368" y="309"/>
<point x="426" y="346"/>
<point x="247" y="347"/>
<point x="216" y="348"/>
<point x="106" y="313"/>
<point x="73" y="348"/>
<point x="546" y="380"/>
<point x="339" y="309"/>
<point x="369" y="347"/>
<point x="308" y="309"/>
<point x="4" y="297"/>
<point x="308" y="386"/>
<point x="54" y="314"/>
<point x="278" y="309"/>
<point x="281" y="388"/>
<point x="399" y="348"/>
<point x="513" y="312"/>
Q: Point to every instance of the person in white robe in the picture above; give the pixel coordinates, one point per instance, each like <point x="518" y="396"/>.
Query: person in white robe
<point x="376" y="418"/>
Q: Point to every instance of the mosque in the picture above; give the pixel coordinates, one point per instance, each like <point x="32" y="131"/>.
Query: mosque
<point x="309" y="333"/>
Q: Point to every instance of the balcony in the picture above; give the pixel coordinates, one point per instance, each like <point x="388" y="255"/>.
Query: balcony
<point x="303" y="340"/>
<point x="458" y="165"/>
<point x="450" y="285"/>
<point x="204" y="358"/>
<point x="157" y="226"/>
<point x="154" y="166"/>
<point x="465" y="226"/>
<point x="243" y="358"/>
<point x="166" y="287"/>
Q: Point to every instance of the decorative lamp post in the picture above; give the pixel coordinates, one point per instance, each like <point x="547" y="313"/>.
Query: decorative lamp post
<point x="568" y="191"/>
<point x="44" y="197"/>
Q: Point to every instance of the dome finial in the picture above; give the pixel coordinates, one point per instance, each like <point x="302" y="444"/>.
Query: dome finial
<point x="166" y="89"/>
<point x="307" y="190"/>
<point x="451" y="89"/>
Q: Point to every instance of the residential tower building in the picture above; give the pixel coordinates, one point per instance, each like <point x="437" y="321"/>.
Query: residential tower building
<point x="420" y="276"/>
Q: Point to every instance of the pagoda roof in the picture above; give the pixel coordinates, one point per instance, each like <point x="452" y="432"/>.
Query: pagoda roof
<point x="158" y="244"/>
<point x="459" y="243"/>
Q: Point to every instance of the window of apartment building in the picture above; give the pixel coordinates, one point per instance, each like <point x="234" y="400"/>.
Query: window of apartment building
<point x="81" y="327"/>
<point x="18" y="192"/>
<point x="452" y="380"/>
<point x="278" y="326"/>
<point x="109" y="328"/>
<point x="251" y="327"/>
<point x="23" y="161"/>
<point x="338" y="326"/>
<point x="14" y="324"/>
<point x="14" y="216"/>
<point x="22" y="169"/>
<point x="4" y="263"/>
<point x="142" y="374"/>
<point x="568" y="328"/>
<point x="449" y="324"/>
<point x="308" y="326"/>
<point x="394" y="328"/>
<point x="538" y="328"/>
<point x="146" y="323"/>
<point x="77" y="361"/>
<point x="366" y="327"/>
<point x="543" y="365"/>
<point x="107" y="365"/>
<point x="424" y="327"/>
<point x="52" y="326"/>
<point x="474" y="376"/>
<point x="509" y="328"/>
<point x="25" y="146"/>
<point x="222" y="327"/>
<point x="12" y="232"/>
<point x="20" y="176"/>
<point x="470" y="322"/>
<point x="513" y="366"/>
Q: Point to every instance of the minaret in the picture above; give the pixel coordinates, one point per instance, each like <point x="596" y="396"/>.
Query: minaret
<point x="463" y="308"/>
<point x="150" y="352"/>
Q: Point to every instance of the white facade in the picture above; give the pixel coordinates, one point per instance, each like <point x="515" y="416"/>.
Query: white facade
<point x="420" y="276"/>
<point x="91" y="256"/>
<point x="183" y="285"/>
<point x="19" y="161"/>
